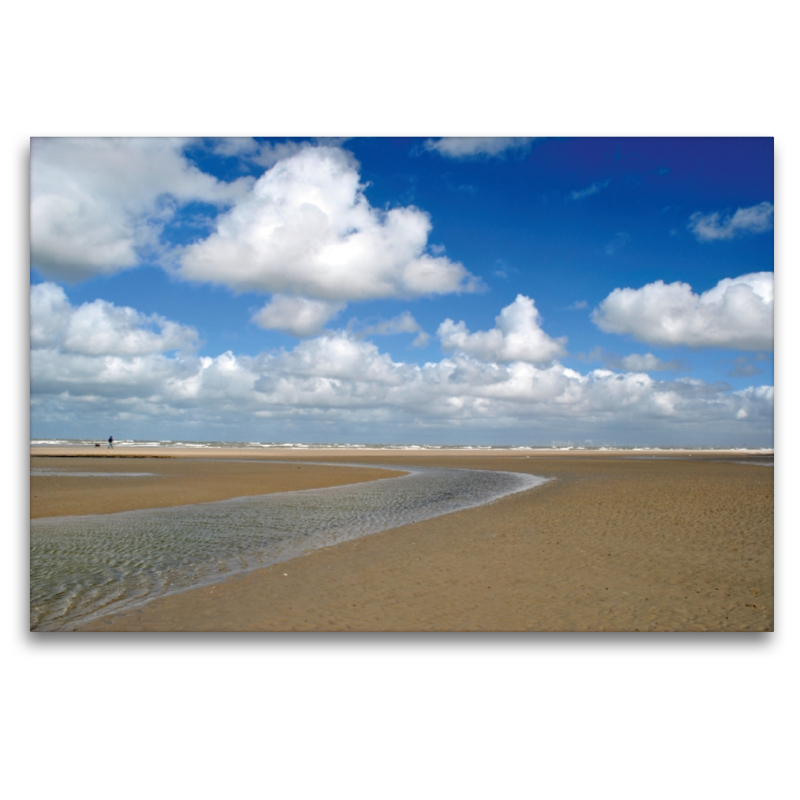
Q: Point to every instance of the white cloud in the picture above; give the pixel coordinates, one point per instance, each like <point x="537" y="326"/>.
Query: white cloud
<point x="100" y="328"/>
<point x="404" y="323"/>
<point x="517" y="337"/>
<point x="95" y="203"/>
<point x="337" y="357"/>
<point x="597" y="186"/>
<point x="296" y="315"/>
<point x="337" y="379"/>
<point x="264" y="154"/>
<point x="755" y="219"/>
<point x="645" y="363"/>
<point x="736" y="313"/>
<point x="467" y="146"/>
<point x="307" y="229"/>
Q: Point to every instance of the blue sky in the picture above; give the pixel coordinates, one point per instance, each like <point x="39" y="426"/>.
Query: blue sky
<point x="398" y="290"/>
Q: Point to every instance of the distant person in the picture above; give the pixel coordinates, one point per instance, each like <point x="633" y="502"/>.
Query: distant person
<point x="110" y="442"/>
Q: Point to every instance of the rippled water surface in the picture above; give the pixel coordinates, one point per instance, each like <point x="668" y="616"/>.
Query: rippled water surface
<point x="83" y="567"/>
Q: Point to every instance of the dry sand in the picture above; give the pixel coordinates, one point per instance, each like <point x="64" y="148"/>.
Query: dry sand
<point x="173" y="481"/>
<point x="613" y="543"/>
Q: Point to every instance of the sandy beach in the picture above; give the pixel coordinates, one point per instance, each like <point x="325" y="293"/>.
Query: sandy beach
<point x="113" y="481"/>
<point x="615" y="541"/>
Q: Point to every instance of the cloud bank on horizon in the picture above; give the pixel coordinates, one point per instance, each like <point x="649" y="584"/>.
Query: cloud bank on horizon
<point x="172" y="280"/>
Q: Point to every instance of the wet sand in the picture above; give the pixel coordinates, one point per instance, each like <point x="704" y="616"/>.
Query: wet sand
<point x="613" y="543"/>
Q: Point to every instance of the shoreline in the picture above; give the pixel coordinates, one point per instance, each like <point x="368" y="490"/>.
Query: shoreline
<point x="271" y="452"/>
<point x="613" y="543"/>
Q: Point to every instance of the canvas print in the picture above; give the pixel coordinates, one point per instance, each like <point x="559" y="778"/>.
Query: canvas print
<point x="401" y="384"/>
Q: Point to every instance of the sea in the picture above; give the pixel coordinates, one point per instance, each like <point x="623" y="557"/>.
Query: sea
<point x="131" y="444"/>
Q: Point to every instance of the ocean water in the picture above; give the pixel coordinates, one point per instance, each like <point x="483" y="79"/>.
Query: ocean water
<point x="90" y="566"/>
<point x="137" y="444"/>
<point x="131" y="444"/>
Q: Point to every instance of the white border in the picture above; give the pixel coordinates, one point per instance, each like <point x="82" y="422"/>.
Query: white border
<point x="400" y="716"/>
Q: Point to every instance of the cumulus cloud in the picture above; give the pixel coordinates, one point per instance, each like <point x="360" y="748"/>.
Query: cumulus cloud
<point x="597" y="186"/>
<point x="517" y="337"/>
<point x="737" y="313"/>
<point x="101" y="328"/>
<point x="755" y="219"/>
<point x="307" y="229"/>
<point x="138" y="374"/>
<point x="96" y="203"/>
<point x="298" y="316"/>
<point x="469" y="146"/>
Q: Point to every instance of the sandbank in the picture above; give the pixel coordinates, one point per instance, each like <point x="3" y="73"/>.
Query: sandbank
<point x="615" y="541"/>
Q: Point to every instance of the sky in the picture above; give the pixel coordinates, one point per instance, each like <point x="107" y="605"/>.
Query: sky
<point x="483" y="291"/>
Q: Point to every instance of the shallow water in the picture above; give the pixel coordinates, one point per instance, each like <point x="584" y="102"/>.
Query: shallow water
<point x="85" y="567"/>
<point x="42" y="472"/>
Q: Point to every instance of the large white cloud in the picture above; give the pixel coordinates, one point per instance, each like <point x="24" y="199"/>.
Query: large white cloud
<point x="755" y="219"/>
<point x="307" y="229"/>
<point x="517" y="337"/>
<point x="737" y="313"/>
<point x="339" y="379"/>
<point x="95" y="203"/>
<point x="468" y="146"/>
